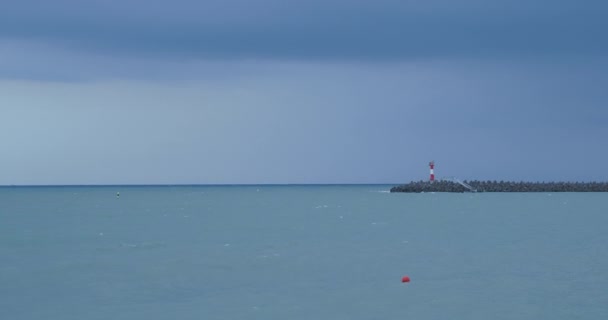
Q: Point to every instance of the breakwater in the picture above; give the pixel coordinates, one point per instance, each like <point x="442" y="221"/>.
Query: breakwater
<point x="500" y="186"/>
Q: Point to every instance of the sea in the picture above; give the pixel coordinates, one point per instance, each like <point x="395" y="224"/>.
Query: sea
<point x="300" y="252"/>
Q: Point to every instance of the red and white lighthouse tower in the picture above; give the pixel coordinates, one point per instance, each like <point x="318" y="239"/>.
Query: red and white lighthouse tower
<point x="432" y="166"/>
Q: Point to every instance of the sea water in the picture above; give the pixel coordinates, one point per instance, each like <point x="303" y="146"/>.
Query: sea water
<point x="300" y="252"/>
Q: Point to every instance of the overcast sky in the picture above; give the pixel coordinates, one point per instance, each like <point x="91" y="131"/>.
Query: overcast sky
<point x="282" y="91"/>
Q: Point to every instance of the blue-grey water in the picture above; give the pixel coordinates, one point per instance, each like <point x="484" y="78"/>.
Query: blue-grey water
<point x="300" y="252"/>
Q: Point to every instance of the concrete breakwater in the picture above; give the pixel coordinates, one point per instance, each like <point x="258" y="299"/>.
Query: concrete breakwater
<point x="500" y="186"/>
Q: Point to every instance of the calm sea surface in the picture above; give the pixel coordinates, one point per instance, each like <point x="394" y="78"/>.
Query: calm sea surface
<point x="300" y="252"/>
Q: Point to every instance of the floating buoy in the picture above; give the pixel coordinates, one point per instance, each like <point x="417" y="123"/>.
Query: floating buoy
<point x="405" y="279"/>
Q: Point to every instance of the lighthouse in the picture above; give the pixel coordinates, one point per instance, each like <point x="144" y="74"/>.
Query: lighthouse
<point x="432" y="167"/>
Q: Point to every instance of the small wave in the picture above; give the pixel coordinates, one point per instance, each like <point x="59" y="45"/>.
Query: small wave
<point x="379" y="223"/>
<point x="142" y="245"/>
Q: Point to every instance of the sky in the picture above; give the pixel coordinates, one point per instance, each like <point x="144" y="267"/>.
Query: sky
<point x="290" y="92"/>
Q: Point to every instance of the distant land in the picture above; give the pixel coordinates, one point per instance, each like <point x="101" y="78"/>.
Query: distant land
<point x="499" y="186"/>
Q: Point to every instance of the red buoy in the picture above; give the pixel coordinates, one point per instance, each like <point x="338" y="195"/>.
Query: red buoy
<point x="405" y="279"/>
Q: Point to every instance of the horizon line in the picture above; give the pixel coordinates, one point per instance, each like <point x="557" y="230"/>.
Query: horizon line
<point x="261" y="184"/>
<point x="191" y="184"/>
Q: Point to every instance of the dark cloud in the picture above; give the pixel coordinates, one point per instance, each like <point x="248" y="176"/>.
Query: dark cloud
<point x="268" y="29"/>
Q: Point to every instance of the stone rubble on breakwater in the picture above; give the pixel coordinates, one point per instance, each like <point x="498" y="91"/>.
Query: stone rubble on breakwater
<point x="500" y="186"/>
